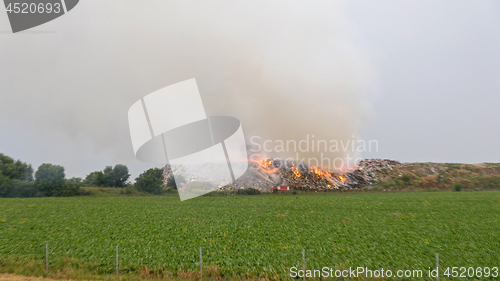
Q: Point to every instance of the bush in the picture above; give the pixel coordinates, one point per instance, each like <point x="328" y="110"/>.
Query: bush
<point x="23" y="189"/>
<point x="248" y="191"/>
<point x="130" y="190"/>
<point x="415" y="182"/>
<point x="389" y="183"/>
<point x="489" y="182"/>
<point x="458" y="186"/>
<point x="127" y="190"/>
<point x="16" y="188"/>
<point x="170" y="190"/>
<point x="406" y="179"/>
<point x="150" y="181"/>
<point x="69" y="189"/>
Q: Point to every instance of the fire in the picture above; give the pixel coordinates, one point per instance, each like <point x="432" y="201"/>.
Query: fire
<point x="328" y="173"/>
<point x="317" y="172"/>
<point x="329" y="177"/>
<point x="295" y="171"/>
<point x="342" y="178"/>
<point x="325" y="173"/>
<point x="266" y="164"/>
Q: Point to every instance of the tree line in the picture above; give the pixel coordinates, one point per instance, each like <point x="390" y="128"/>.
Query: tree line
<point x="18" y="179"/>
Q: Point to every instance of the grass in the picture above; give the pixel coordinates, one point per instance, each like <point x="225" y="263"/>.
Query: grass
<point x="248" y="236"/>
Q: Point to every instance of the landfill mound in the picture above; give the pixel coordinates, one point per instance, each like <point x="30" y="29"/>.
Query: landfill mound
<point x="214" y="173"/>
<point x="265" y="174"/>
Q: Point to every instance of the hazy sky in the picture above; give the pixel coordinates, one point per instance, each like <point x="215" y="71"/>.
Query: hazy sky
<point x="439" y="68"/>
<point x="423" y="77"/>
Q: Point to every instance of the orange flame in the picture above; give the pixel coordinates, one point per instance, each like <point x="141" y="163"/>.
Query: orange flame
<point x="342" y="178"/>
<point x="266" y="164"/>
<point x="317" y="172"/>
<point x="295" y="171"/>
<point x="324" y="174"/>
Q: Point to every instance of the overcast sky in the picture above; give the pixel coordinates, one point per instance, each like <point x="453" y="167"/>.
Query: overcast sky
<point x="430" y="72"/>
<point x="439" y="67"/>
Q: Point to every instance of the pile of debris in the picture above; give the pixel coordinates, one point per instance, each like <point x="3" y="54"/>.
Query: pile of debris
<point x="167" y="173"/>
<point x="269" y="172"/>
<point x="213" y="173"/>
<point x="378" y="164"/>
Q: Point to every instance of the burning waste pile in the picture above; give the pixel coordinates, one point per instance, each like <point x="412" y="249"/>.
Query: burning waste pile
<point x="266" y="173"/>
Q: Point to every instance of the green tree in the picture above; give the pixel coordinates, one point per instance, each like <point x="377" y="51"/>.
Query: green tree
<point x="109" y="177"/>
<point x="49" y="179"/>
<point x="5" y="185"/>
<point x="15" y="169"/>
<point x="94" y="179"/>
<point x="120" y="175"/>
<point x="150" y="181"/>
<point x="15" y="177"/>
<point x="75" y="180"/>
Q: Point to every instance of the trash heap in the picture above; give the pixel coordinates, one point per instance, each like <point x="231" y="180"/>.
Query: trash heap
<point x="214" y="173"/>
<point x="167" y="172"/>
<point x="269" y="172"/>
<point x="378" y="164"/>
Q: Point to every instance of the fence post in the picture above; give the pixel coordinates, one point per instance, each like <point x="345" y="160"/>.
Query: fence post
<point x="437" y="266"/>
<point x="201" y="266"/>
<point x="304" y="262"/>
<point x="47" y="258"/>
<point x="117" y="264"/>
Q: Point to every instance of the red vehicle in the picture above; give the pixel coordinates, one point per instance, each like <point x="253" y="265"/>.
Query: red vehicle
<point x="280" y="187"/>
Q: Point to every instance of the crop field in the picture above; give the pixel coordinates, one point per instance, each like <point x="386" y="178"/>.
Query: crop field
<point x="252" y="236"/>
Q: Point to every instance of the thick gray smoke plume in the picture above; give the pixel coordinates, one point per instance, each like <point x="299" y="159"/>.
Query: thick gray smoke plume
<point x="286" y="69"/>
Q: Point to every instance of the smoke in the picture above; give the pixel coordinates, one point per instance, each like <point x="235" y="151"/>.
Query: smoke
<point x="286" y="69"/>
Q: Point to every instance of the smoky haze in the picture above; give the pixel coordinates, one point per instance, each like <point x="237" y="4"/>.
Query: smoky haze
<point x="286" y="69"/>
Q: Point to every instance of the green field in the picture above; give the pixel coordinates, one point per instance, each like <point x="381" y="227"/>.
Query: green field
<point x="252" y="235"/>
